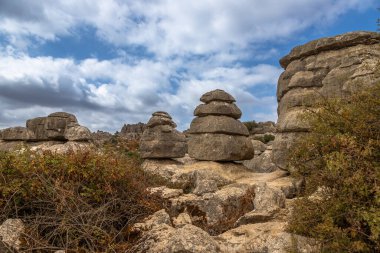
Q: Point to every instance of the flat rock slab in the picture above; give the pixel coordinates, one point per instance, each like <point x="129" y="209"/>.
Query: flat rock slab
<point x="218" y="108"/>
<point x="218" y="125"/>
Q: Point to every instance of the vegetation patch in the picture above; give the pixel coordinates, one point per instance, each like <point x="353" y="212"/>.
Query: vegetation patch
<point x="340" y="162"/>
<point x="81" y="202"/>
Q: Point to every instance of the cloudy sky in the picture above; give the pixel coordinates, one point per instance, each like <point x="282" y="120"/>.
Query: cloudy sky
<point x="117" y="61"/>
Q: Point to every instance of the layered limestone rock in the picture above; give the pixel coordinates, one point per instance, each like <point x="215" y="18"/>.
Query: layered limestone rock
<point x="216" y="134"/>
<point x="160" y="138"/>
<point x="59" y="128"/>
<point x="331" y="67"/>
<point x="219" y="207"/>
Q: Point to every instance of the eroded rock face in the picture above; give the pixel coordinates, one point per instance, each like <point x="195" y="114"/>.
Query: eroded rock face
<point x="219" y="207"/>
<point x="132" y="131"/>
<point x="216" y="134"/>
<point x="331" y="67"/>
<point x="160" y="138"/>
<point x="58" y="131"/>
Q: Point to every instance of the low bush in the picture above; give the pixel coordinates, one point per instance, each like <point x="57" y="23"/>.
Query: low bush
<point x="81" y="202"/>
<point x="340" y="160"/>
<point x="265" y="138"/>
<point x="250" y="125"/>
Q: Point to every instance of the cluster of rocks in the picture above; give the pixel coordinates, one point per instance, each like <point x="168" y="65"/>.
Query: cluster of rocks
<point x="160" y="138"/>
<point x="331" y="67"/>
<point x="216" y="134"/>
<point x="132" y="131"/>
<point x="58" y="127"/>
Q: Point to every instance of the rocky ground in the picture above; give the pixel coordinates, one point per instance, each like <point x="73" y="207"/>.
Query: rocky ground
<point x="219" y="207"/>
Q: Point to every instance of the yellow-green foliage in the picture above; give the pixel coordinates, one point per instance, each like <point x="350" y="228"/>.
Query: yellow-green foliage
<point x="341" y="158"/>
<point x="78" y="201"/>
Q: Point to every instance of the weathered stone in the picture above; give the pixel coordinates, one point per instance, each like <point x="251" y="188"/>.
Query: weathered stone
<point x="162" y="114"/>
<point x="17" y="134"/>
<point x="132" y="131"/>
<point x="268" y="199"/>
<point x="218" y="125"/>
<point x="37" y="126"/>
<point x="78" y="133"/>
<point x="164" y="238"/>
<point x="161" y="140"/>
<point x="262" y="163"/>
<point x="284" y="142"/>
<point x="10" y="233"/>
<point x="218" y="108"/>
<point x="264" y="237"/>
<point x="165" y="192"/>
<point x="326" y="68"/>
<point x="160" y="121"/>
<point x="182" y="220"/>
<point x="331" y="43"/>
<point x="220" y="147"/>
<point x="156" y="219"/>
<point x="258" y="146"/>
<point x="217" y="95"/>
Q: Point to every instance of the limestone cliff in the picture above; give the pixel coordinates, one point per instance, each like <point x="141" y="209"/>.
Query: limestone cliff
<point x="330" y="67"/>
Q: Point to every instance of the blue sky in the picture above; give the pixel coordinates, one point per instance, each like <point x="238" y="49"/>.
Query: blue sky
<point x="114" y="62"/>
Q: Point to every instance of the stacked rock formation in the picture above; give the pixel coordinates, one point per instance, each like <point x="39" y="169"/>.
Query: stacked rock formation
<point x="160" y="138"/>
<point x="216" y="134"/>
<point x="58" y="126"/>
<point x="325" y="68"/>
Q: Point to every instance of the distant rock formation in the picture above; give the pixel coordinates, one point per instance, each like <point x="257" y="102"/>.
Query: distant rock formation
<point x="56" y="127"/>
<point x="132" y="131"/>
<point x="217" y="134"/>
<point x="325" y="68"/>
<point x="160" y="138"/>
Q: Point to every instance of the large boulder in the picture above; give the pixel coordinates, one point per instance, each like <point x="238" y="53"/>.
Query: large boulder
<point x="160" y="138"/>
<point x="220" y="147"/>
<point x="78" y="133"/>
<point x="332" y="67"/>
<point x="217" y="134"/>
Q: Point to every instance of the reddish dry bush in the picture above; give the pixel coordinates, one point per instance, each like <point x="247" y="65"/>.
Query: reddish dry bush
<point x="77" y="201"/>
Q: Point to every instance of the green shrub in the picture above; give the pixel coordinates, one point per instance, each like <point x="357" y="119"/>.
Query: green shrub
<point x="265" y="139"/>
<point x="78" y="201"/>
<point x="341" y="158"/>
<point x="250" y="125"/>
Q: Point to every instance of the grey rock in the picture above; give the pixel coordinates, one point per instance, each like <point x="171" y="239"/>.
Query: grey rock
<point x="217" y="95"/>
<point x="331" y="43"/>
<point x="218" y="125"/>
<point x="327" y="68"/>
<point x="10" y="233"/>
<point x="188" y="238"/>
<point x="182" y="220"/>
<point x="78" y="133"/>
<point x="220" y="147"/>
<point x="161" y="140"/>
<point x="162" y="114"/>
<point x="218" y="108"/>
<point x="160" y="121"/>
<point x="268" y="199"/>
<point x="17" y="134"/>
<point x="262" y="163"/>
<point x="258" y="146"/>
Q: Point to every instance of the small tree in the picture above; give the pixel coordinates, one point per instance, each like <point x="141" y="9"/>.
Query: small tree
<point x="340" y="159"/>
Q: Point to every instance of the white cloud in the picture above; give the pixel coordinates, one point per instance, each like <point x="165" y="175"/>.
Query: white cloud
<point x="172" y="27"/>
<point x="113" y="89"/>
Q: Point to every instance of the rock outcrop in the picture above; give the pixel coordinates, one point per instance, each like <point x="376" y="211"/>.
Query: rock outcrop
<point x="132" y="131"/>
<point x="45" y="132"/>
<point x="331" y="67"/>
<point x="219" y="207"/>
<point x="160" y="138"/>
<point x="216" y="134"/>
